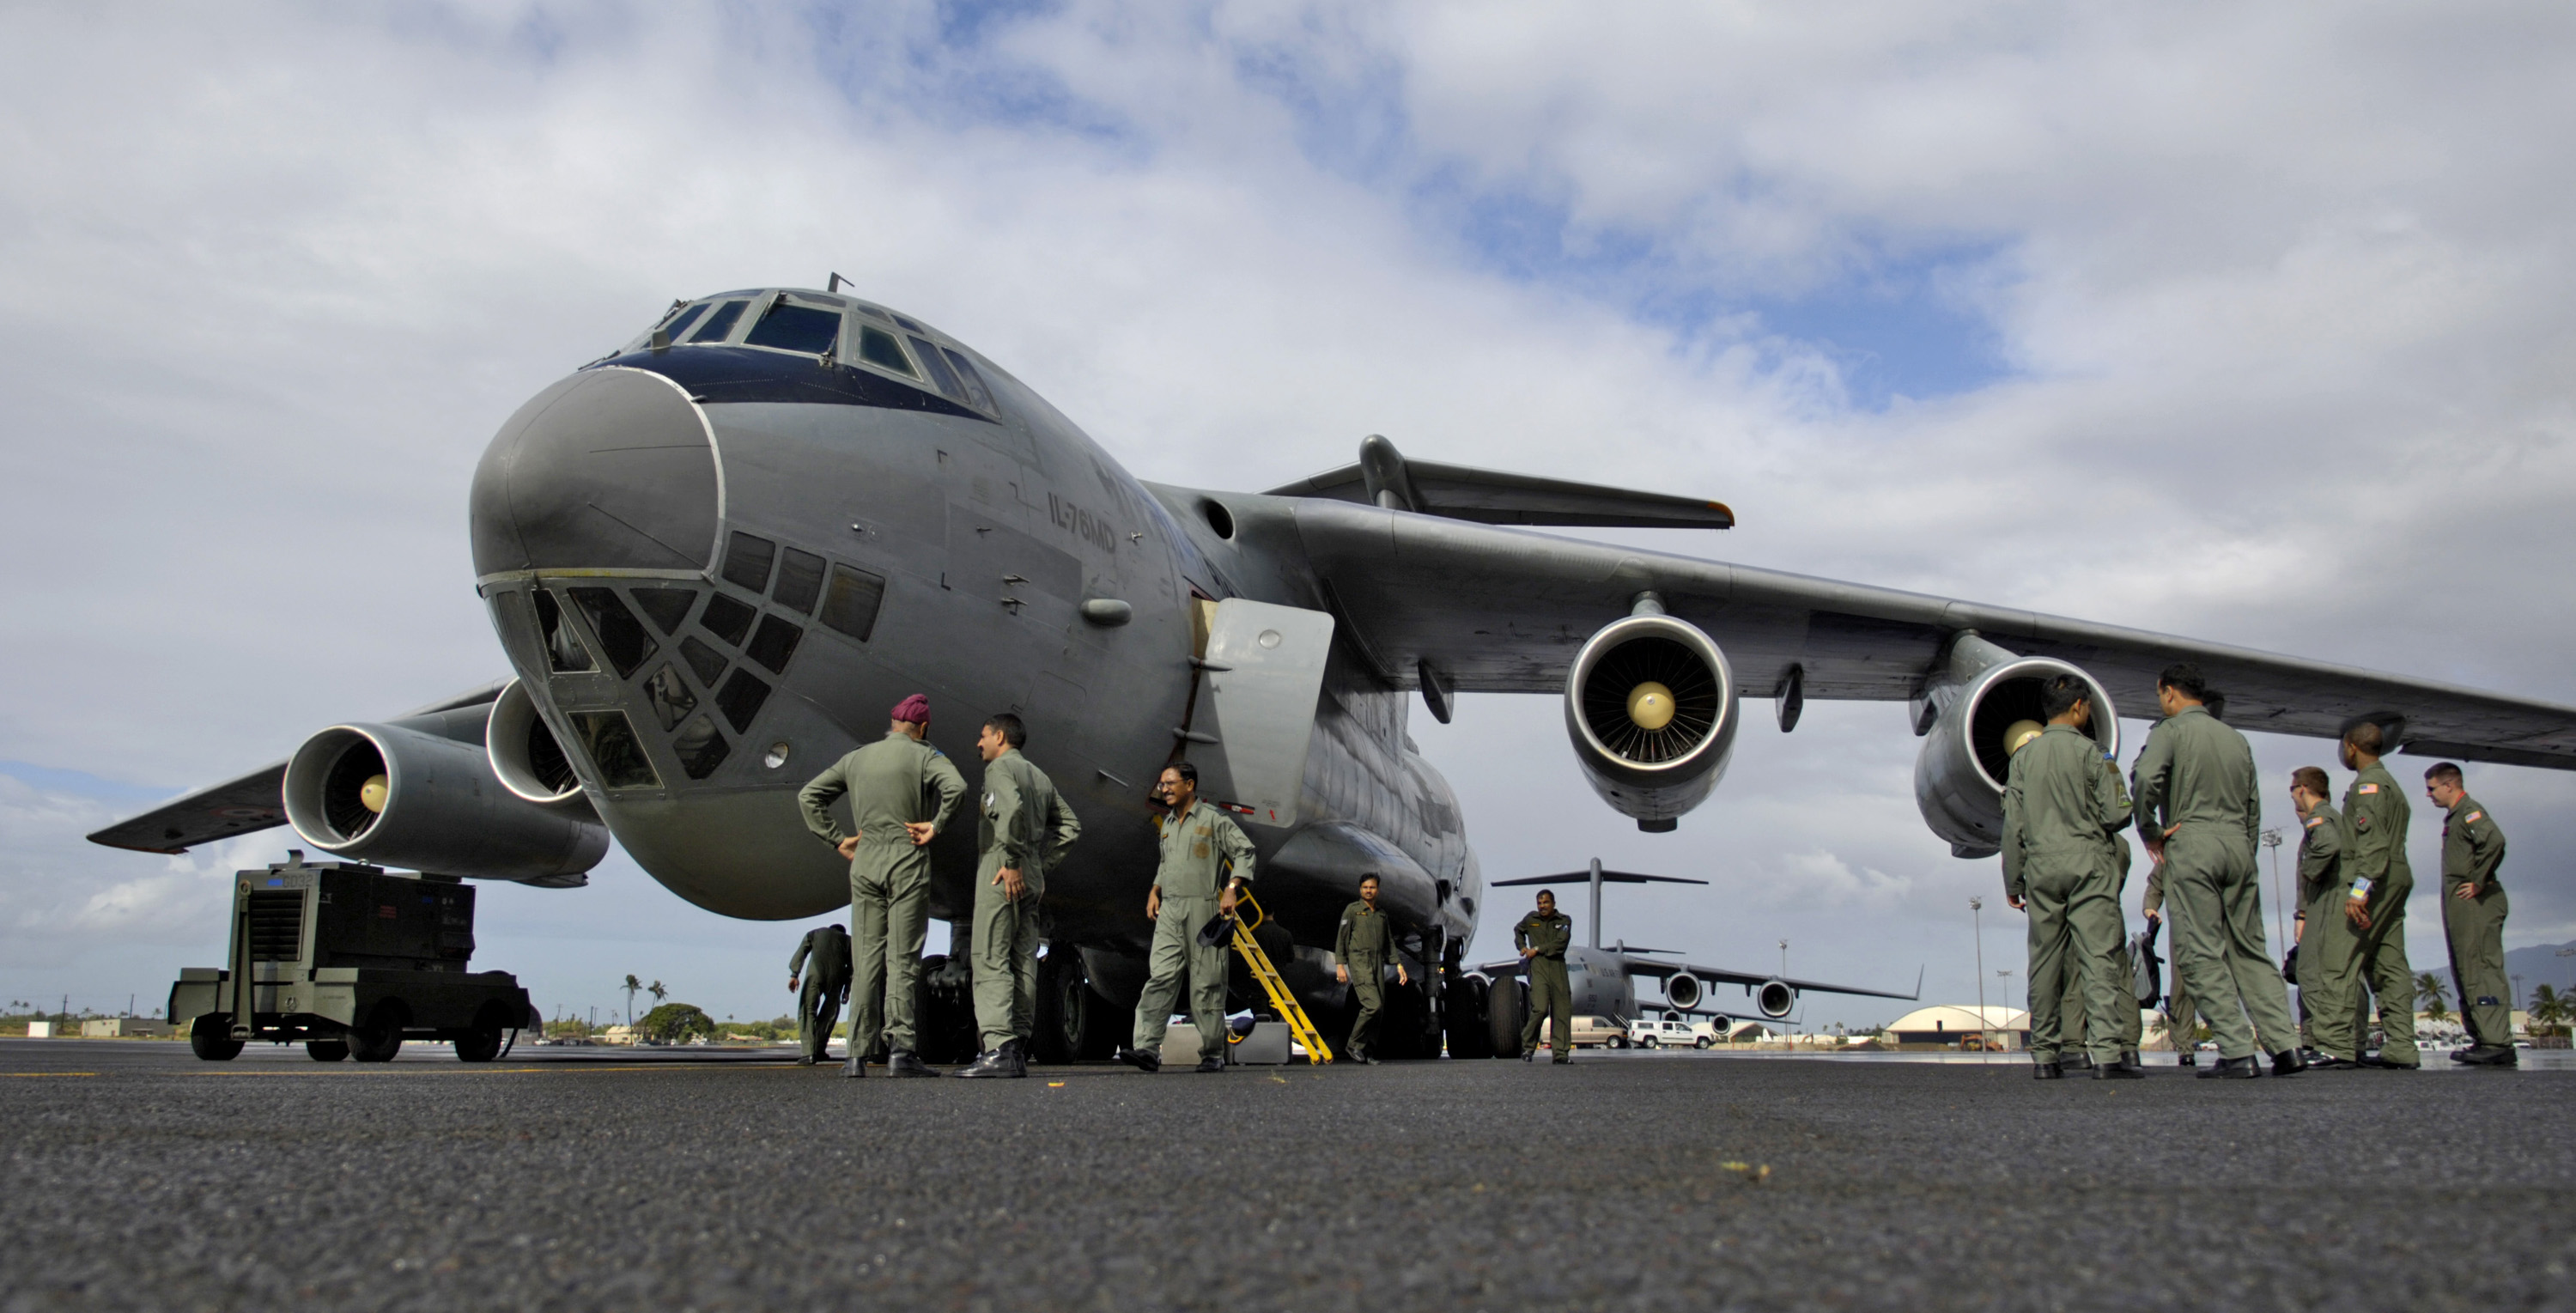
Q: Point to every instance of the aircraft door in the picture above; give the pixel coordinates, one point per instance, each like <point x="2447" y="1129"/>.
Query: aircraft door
<point x="1265" y="668"/>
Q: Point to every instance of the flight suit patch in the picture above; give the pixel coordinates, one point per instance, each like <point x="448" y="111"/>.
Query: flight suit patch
<point x="2475" y="817"/>
<point x="1199" y="849"/>
<point x="2367" y="788"/>
<point x="2316" y="821"/>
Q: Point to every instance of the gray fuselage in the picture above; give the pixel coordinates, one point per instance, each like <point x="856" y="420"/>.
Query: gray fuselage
<point x="758" y="550"/>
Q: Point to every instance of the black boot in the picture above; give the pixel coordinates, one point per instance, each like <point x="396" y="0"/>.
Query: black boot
<point x="2379" y="1063"/>
<point x="1213" y="1063"/>
<point x="2232" y="1069"/>
<point x="2287" y="1062"/>
<point x="905" y="1062"/>
<point x="2046" y="1071"/>
<point x="1144" y="1060"/>
<point x="2126" y="1067"/>
<point x="1360" y="1058"/>
<point x="2077" y="1061"/>
<point x="856" y="1067"/>
<point x="999" y="1064"/>
<point x="805" y="1060"/>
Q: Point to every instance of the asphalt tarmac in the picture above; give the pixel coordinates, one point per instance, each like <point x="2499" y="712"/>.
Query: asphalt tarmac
<point x="138" y="1177"/>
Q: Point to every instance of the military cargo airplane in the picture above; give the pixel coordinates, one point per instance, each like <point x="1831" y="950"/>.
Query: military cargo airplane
<point x="1603" y="980"/>
<point x="716" y="556"/>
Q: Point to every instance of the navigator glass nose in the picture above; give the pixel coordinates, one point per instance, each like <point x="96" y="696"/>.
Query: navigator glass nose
<point x="608" y="469"/>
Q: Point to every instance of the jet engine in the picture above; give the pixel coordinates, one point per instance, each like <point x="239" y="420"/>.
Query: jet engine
<point x="1650" y="704"/>
<point x="1775" y="998"/>
<point x="1964" y="714"/>
<point x="527" y="757"/>
<point x="409" y="795"/>
<point x="1682" y="990"/>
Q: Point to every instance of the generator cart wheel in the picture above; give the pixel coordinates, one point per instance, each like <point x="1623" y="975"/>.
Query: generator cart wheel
<point x="326" y="1050"/>
<point x="211" y="1037"/>
<point x="481" y="1044"/>
<point x="381" y="1038"/>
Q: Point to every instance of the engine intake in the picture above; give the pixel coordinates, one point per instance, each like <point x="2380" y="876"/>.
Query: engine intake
<point x="1682" y="990"/>
<point x="526" y="755"/>
<point x="1775" y="998"/>
<point x="399" y="795"/>
<point x="1965" y="713"/>
<point x="1651" y="707"/>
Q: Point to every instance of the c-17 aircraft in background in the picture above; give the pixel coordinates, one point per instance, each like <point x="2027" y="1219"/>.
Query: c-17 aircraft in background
<point x="717" y="555"/>
<point x="1603" y="980"/>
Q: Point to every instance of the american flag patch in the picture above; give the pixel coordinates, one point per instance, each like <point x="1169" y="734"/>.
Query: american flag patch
<point x="2476" y="815"/>
<point x="2367" y="788"/>
<point x="2315" y="821"/>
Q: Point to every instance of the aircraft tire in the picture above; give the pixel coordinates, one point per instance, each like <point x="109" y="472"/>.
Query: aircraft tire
<point x="210" y="1037"/>
<point x="1503" y="1010"/>
<point x="1074" y="1024"/>
<point x="1464" y="1001"/>
<point x="327" y="1050"/>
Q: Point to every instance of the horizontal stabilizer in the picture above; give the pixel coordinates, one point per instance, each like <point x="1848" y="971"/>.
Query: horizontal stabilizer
<point x="1585" y="877"/>
<point x="1461" y="492"/>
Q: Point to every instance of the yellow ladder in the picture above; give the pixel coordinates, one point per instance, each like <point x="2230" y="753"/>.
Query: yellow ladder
<point x="1317" y="1051"/>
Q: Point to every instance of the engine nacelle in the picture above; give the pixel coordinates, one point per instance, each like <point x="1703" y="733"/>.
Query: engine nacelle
<point x="527" y="757"/>
<point x="1682" y="990"/>
<point x="1775" y="998"/>
<point x="1651" y="706"/>
<point x="1963" y="714"/>
<point x="401" y="796"/>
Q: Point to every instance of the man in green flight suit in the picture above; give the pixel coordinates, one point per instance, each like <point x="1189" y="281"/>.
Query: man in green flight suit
<point x="1363" y="947"/>
<point x="2071" y="1013"/>
<point x="2062" y="813"/>
<point x="1026" y="828"/>
<point x="1542" y="938"/>
<point x="2199" y="809"/>
<point x="2473" y="911"/>
<point x="2375" y="817"/>
<point x="1204" y="862"/>
<point x="819" y="976"/>
<point x="2328" y="956"/>
<point x="2182" y="1020"/>
<point x="902" y="792"/>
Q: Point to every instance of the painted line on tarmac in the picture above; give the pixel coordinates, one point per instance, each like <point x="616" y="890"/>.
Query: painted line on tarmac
<point x="425" y="1070"/>
<point x="37" y="1075"/>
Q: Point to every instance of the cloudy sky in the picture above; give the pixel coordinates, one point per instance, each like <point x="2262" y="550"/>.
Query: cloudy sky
<point x="2252" y="323"/>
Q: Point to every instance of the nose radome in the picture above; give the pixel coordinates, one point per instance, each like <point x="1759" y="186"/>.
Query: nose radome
<point x="608" y="469"/>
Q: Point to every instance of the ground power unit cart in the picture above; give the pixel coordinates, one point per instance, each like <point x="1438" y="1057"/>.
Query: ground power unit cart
<point x="352" y="960"/>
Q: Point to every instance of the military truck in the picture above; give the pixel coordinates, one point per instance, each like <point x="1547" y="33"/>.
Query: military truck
<point x="351" y="960"/>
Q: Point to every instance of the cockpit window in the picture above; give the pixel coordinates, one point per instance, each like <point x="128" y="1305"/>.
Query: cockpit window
<point x="673" y="330"/>
<point x="791" y="327"/>
<point x="976" y="394"/>
<point x="720" y="324"/>
<point x="878" y="348"/>
<point x="908" y="324"/>
<point x="939" y="371"/>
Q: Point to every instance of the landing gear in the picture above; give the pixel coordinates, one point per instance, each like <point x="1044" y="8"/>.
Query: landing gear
<point x="1075" y="1024"/>
<point x="1503" y="1010"/>
<point x="327" y="1050"/>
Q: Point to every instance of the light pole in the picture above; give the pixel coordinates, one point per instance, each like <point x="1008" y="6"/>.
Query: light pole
<point x="1977" y="913"/>
<point x="2004" y="974"/>
<point x="2272" y="840"/>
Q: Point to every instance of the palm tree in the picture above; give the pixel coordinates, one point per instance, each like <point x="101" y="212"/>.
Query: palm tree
<point x="632" y="985"/>
<point x="2430" y="991"/>
<point x="658" y="993"/>
<point x="2549" y="1007"/>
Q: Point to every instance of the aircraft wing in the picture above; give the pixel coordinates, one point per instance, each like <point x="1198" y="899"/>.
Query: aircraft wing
<point x="1647" y="966"/>
<point x="1503" y="610"/>
<point x="255" y="801"/>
